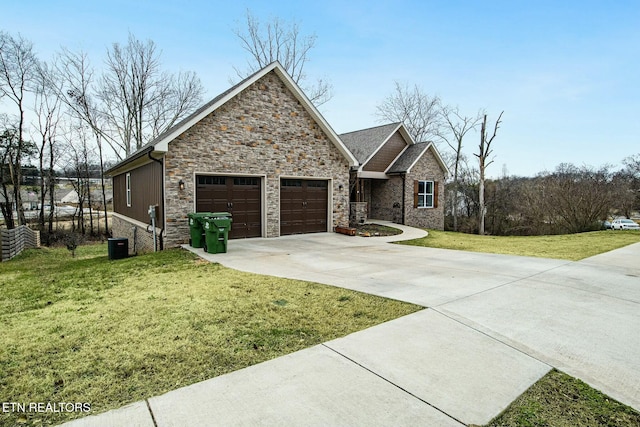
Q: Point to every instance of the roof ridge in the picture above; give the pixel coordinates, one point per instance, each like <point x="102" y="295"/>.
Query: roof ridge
<point x="371" y="128"/>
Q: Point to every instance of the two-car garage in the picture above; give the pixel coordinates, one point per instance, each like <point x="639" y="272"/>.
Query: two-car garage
<point x="304" y="203"/>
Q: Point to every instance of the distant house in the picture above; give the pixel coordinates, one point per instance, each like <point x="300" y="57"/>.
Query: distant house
<point x="396" y="178"/>
<point x="30" y="199"/>
<point x="71" y="197"/>
<point x="264" y="153"/>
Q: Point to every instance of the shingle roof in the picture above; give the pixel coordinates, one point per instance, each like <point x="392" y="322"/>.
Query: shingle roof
<point x="160" y="143"/>
<point x="408" y="157"/>
<point x="363" y="143"/>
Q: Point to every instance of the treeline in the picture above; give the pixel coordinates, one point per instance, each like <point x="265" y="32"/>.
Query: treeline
<point x="570" y="199"/>
<point x="64" y="114"/>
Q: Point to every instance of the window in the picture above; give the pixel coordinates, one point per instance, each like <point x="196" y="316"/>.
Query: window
<point x="211" y="180"/>
<point x="317" y="184"/>
<point x="245" y="181"/>
<point x="292" y="183"/>
<point x="128" y="184"/>
<point x="425" y="194"/>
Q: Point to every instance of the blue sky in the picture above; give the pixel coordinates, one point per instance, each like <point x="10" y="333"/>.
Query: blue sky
<point x="566" y="73"/>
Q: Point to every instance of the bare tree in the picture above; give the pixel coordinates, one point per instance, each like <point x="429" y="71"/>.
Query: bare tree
<point x="280" y="41"/>
<point x="8" y="142"/>
<point x="419" y="112"/>
<point x="577" y="198"/>
<point x="75" y="87"/>
<point x="139" y="100"/>
<point x="625" y="188"/>
<point x="455" y="127"/>
<point x="632" y="163"/>
<point x="632" y="172"/>
<point x="483" y="155"/>
<point x="47" y="106"/>
<point x="18" y="70"/>
<point x="468" y="190"/>
<point x="78" y="156"/>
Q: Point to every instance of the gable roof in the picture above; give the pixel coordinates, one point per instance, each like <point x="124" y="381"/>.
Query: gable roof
<point x="412" y="154"/>
<point x="364" y="143"/>
<point x="408" y="158"/>
<point x="161" y="142"/>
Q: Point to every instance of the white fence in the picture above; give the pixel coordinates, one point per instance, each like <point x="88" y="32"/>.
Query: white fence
<point x="16" y="240"/>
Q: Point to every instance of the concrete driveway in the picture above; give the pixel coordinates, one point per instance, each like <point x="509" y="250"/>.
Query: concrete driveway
<point x="580" y="317"/>
<point x="495" y="325"/>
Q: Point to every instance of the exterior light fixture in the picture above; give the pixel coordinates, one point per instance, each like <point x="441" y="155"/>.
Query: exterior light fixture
<point x="181" y="185"/>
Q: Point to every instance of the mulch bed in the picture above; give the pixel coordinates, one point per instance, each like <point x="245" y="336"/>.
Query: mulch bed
<point x="376" y="230"/>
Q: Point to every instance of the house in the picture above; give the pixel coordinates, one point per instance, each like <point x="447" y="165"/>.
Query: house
<point x="71" y="198"/>
<point x="30" y="198"/>
<point x="264" y="153"/>
<point x="396" y="178"/>
<point x="260" y="151"/>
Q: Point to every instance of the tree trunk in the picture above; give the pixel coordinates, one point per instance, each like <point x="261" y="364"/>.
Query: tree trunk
<point x="455" y="193"/>
<point x="17" y="170"/>
<point x="7" y="213"/>
<point x="89" y="205"/>
<point x="43" y="186"/>
<point x="104" y="193"/>
<point x="52" y="185"/>
<point x="481" y="201"/>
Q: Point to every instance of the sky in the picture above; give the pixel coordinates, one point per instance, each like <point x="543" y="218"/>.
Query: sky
<point x="565" y="73"/>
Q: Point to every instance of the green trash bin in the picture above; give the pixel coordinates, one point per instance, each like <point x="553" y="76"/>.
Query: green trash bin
<point x="195" y="227"/>
<point x="216" y="231"/>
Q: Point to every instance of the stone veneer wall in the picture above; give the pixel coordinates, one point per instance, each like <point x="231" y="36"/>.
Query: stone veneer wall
<point x="386" y="199"/>
<point x="140" y="235"/>
<point x="358" y="213"/>
<point x="426" y="169"/>
<point x="263" y="131"/>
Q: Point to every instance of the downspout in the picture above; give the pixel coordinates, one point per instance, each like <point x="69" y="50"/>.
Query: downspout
<point x="155" y="245"/>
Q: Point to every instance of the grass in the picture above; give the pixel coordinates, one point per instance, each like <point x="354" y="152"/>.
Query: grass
<point x="572" y="247"/>
<point x="559" y="400"/>
<point x="108" y="333"/>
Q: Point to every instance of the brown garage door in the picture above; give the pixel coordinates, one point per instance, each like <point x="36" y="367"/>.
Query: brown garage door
<point x="303" y="206"/>
<point x="241" y="196"/>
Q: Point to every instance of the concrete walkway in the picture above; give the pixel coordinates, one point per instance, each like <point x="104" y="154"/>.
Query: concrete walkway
<point x="495" y="325"/>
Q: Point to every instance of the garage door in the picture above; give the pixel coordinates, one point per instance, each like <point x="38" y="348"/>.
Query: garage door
<point x="241" y="196"/>
<point x="303" y="206"/>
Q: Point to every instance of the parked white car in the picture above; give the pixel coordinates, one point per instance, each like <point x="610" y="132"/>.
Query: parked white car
<point x="624" y="224"/>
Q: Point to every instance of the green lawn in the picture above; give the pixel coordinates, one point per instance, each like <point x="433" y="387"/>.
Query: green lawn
<point x="558" y="400"/>
<point x="87" y="329"/>
<point x="571" y="247"/>
<point x="108" y="333"/>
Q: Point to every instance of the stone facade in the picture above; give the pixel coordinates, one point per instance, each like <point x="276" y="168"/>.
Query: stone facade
<point x="358" y="213"/>
<point x="140" y="235"/>
<point x="386" y="199"/>
<point x="427" y="168"/>
<point x="264" y="131"/>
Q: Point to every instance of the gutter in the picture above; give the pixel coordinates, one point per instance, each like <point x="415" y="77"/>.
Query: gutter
<point x="134" y="156"/>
